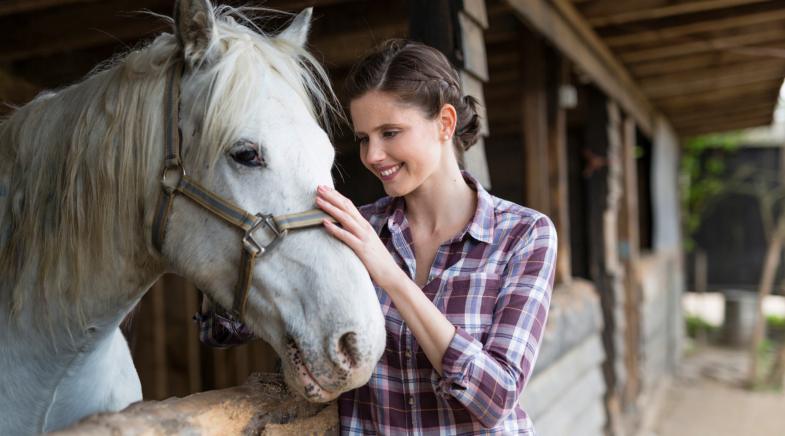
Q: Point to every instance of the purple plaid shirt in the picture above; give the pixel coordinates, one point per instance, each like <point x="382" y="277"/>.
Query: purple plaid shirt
<point x="493" y="281"/>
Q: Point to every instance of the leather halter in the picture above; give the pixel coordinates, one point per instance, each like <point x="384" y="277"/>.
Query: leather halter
<point x="174" y="180"/>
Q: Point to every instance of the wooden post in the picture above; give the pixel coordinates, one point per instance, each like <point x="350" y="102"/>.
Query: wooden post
<point x="629" y="234"/>
<point x="456" y="29"/>
<point x="559" y="169"/>
<point x="534" y="124"/>
<point x="192" y="335"/>
<point x="160" y="371"/>
<point x="600" y="171"/>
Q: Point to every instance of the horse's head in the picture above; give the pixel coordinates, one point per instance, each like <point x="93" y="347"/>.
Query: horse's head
<point x="248" y="112"/>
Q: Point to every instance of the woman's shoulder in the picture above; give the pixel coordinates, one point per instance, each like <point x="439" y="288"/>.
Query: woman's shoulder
<point x="515" y="218"/>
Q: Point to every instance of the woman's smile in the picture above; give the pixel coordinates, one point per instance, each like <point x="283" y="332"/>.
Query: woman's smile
<point x="388" y="173"/>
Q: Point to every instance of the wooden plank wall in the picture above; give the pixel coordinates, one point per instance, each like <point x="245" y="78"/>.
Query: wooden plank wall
<point x="167" y="352"/>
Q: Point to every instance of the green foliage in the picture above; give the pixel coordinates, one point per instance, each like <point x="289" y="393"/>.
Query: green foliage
<point x="703" y="183"/>
<point x="696" y="324"/>
<point x="775" y="321"/>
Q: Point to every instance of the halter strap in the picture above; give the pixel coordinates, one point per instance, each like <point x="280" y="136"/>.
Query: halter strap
<point x="174" y="180"/>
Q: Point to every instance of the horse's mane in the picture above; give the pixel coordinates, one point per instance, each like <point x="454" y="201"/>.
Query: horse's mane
<point x="78" y="161"/>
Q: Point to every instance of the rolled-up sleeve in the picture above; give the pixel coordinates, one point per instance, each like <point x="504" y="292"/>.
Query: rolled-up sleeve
<point x="488" y="378"/>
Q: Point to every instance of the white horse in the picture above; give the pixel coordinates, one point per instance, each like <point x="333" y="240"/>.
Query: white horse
<point x="80" y="187"/>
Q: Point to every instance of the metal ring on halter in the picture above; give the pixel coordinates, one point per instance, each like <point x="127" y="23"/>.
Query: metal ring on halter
<point x="170" y="188"/>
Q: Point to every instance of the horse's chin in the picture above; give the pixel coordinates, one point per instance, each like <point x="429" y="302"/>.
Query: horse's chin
<point x="302" y="376"/>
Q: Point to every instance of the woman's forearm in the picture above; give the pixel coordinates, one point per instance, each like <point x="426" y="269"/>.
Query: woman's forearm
<point x="433" y="330"/>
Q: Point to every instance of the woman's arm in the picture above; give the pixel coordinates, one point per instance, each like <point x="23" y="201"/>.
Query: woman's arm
<point x="428" y="324"/>
<point x="487" y="378"/>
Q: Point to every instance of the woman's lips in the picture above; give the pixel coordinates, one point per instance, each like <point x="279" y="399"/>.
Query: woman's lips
<point x="389" y="173"/>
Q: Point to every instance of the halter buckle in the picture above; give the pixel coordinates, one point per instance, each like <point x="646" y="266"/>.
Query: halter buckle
<point x="252" y="245"/>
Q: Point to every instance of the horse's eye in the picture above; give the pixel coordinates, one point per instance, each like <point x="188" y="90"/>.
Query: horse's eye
<point x="248" y="156"/>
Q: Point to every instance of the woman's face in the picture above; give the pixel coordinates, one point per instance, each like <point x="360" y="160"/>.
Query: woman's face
<point x="398" y="144"/>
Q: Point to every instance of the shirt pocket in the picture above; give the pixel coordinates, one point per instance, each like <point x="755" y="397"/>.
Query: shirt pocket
<point x="468" y="301"/>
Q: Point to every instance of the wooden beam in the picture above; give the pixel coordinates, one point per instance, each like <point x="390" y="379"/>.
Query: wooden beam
<point x="80" y="26"/>
<point x="629" y="235"/>
<point x="263" y="405"/>
<point x="558" y="21"/>
<point x="751" y="106"/>
<point x="11" y="7"/>
<point x="667" y="34"/>
<point x="688" y="111"/>
<point x="722" y="118"/>
<point x="725" y="124"/>
<point x="614" y="12"/>
<point x="739" y="43"/>
<point x="704" y="81"/>
<point x="719" y="96"/>
<point x="688" y="131"/>
<point x="15" y="91"/>
<point x="687" y="64"/>
<point x="559" y="170"/>
<point x="534" y="123"/>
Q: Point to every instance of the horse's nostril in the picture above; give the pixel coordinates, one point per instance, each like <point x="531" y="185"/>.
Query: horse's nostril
<point x="349" y="350"/>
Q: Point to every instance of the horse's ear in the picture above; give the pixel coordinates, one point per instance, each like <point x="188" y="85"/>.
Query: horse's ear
<point x="194" y="25"/>
<point x="297" y="32"/>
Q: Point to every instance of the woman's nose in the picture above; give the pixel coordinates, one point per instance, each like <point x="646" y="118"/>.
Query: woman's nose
<point x="375" y="152"/>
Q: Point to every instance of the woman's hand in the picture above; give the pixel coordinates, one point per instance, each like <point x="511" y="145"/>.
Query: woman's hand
<point x="357" y="233"/>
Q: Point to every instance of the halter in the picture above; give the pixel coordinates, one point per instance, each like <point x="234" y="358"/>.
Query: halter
<point x="174" y="180"/>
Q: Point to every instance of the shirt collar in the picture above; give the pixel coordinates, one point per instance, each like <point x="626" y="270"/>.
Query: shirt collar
<point x="481" y="226"/>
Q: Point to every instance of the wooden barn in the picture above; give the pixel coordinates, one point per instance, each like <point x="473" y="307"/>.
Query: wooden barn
<point x="584" y="105"/>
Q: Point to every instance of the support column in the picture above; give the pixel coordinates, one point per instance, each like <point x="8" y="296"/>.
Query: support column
<point x="455" y="28"/>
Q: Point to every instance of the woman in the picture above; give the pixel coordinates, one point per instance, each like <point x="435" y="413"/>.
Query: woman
<point x="464" y="278"/>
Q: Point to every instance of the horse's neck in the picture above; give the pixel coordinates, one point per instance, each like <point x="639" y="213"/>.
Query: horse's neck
<point x="68" y="368"/>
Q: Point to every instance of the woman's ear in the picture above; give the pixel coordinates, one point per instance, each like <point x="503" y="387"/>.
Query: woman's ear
<point x="448" y="118"/>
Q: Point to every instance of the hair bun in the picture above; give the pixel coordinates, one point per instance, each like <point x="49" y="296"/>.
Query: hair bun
<point x="468" y="129"/>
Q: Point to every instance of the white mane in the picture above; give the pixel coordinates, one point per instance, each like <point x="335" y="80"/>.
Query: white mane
<point x="81" y="159"/>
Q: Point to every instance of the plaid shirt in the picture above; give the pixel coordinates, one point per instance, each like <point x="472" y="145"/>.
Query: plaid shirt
<point x="493" y="281"/>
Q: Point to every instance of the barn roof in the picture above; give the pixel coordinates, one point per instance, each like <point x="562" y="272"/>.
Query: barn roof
<point x="707" y="65"/>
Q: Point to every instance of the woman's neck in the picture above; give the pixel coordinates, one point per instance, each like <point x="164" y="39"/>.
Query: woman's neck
<point x="443" y="203"/>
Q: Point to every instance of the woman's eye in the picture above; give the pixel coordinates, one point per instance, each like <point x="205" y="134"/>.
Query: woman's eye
<point x="362" y="141"/>
<point x="248" y="157"/>
<point x="390" y="133"/>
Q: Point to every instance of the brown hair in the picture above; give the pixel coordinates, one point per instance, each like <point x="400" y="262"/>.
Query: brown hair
<point x="418" y="75"/>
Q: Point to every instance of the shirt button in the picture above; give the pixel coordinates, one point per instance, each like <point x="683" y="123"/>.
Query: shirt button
<point x="411" y="400"/>
<point x="408" y="354"/>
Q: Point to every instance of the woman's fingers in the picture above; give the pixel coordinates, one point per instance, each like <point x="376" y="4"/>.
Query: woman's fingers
<point x="343" y="217"/>
<point x="342" y="234"/>
<point x="341" y="202"/>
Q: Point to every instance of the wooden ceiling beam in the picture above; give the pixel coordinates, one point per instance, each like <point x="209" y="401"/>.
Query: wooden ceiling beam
<point x="615" y="12"/>
<point x="726" y="119"/>
<point x="691" y="106"/>
<point x="725" y="126"/>
<point x="688" y="64"/>
<point x="745" y="43"/>
<point x="11" y="7"/>
<point x="727" y="111"/>
<point x="720" y="96"/>
<point x="79" y="26"/>
<point x="15" y="91"/>
<point x="665" y="34"/>
<point x="567" y="30"/>
<point x="712" y="80"/>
